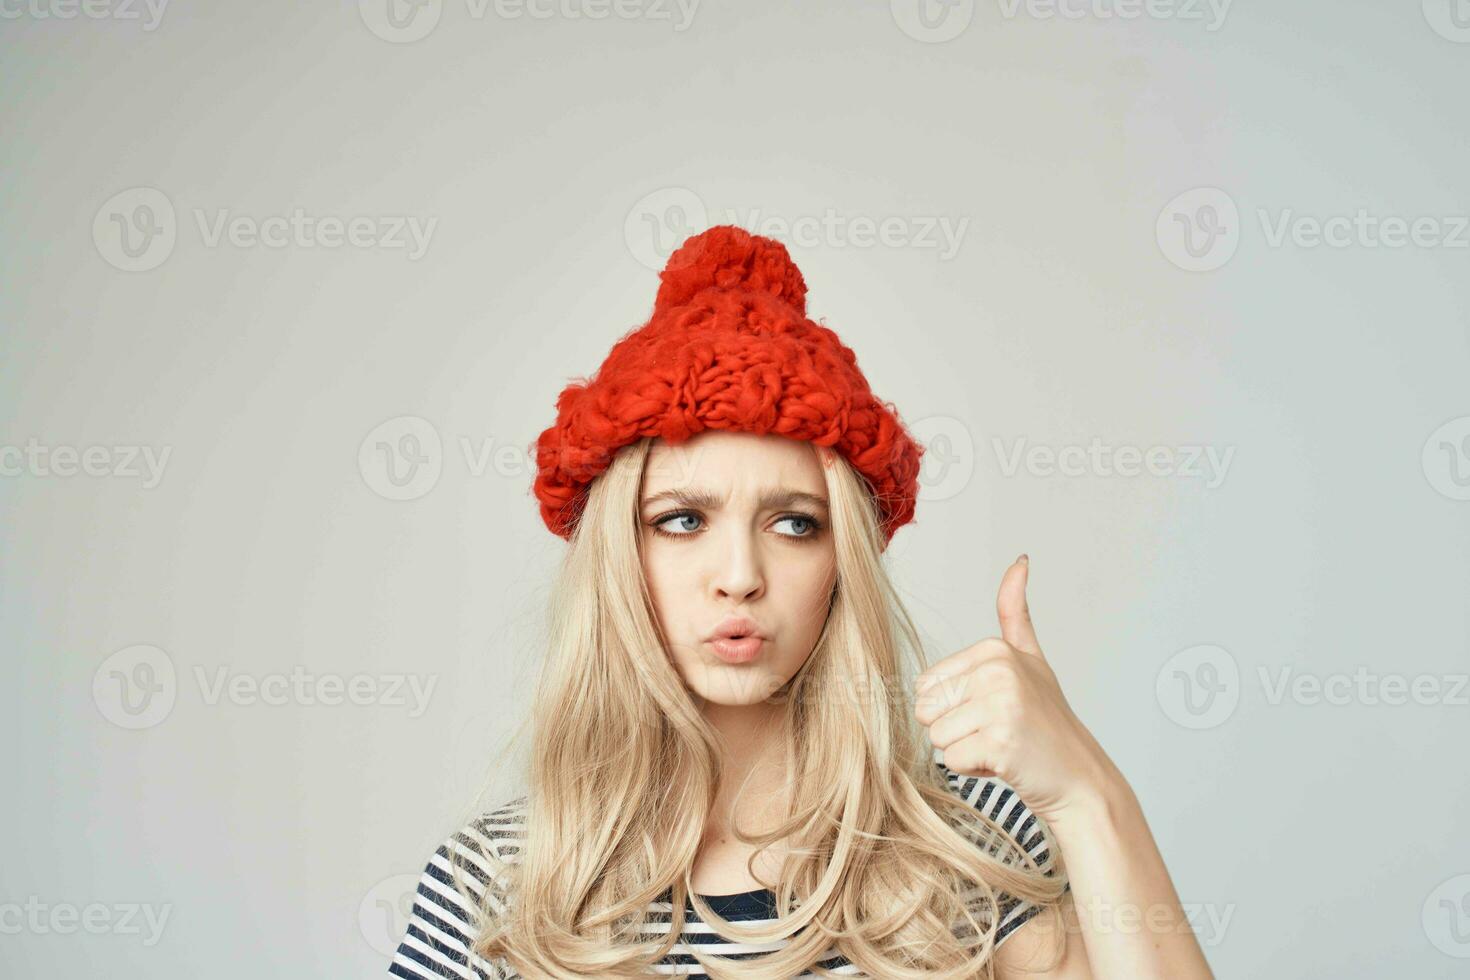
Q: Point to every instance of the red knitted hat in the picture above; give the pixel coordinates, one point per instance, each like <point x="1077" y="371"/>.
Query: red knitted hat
<point x="728" y="347"/>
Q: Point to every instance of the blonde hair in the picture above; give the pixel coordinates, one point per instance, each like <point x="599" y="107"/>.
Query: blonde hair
<point x="882" y="860"/>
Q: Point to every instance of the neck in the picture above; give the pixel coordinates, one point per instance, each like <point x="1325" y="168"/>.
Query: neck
<point x="752" y="740"/>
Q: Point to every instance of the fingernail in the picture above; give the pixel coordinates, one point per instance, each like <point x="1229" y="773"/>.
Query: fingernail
<point x="1024" y="560"/>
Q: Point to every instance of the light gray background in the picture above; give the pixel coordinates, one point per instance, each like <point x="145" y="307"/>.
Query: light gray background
<point x="277" y="837"/>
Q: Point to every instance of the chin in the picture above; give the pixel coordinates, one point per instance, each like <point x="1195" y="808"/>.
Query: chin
<point x="746" y="687"/>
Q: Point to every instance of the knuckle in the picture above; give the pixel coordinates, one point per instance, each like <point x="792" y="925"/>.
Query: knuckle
<point x="1001" y="673"/>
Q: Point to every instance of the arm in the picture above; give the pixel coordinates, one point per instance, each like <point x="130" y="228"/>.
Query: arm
<point x="1133" y="926"/>
<point x="996" y="708"/>
<point x="1132" y="923"/>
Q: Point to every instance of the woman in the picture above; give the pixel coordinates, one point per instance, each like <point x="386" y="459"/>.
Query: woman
<point x="729" y="775"/>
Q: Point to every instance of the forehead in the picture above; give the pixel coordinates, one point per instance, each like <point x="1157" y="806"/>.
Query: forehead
<point x="736" y="461"/>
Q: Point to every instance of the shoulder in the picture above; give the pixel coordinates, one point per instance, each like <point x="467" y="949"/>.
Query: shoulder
<point x="497" y="833"/>
<point x="996" y="799"/>
<point x="460" y="884"/>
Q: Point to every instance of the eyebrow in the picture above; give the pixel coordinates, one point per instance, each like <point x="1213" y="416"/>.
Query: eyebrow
<point x="708" y="500"/>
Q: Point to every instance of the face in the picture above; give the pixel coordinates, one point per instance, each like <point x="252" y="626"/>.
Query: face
<point x="735" y="526"/>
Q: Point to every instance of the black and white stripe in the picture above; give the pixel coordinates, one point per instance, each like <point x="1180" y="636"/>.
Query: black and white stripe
<point x="442" y="926"/>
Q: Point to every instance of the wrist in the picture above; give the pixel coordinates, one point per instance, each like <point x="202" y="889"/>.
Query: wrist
<point x="1100" y="803"/>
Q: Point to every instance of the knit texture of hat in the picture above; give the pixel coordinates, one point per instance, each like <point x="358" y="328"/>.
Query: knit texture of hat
<point x="729" y="347"/>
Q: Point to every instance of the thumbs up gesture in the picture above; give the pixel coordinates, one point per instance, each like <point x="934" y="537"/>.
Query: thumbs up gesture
<point x="995" y="709"/>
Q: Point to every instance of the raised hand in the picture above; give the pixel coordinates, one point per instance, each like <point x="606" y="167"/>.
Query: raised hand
<point x="995" y="709"/>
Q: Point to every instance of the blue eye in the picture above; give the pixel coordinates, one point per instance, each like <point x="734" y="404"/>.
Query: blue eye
<point x="661" y="525"/>
<point x="803" y="518"/>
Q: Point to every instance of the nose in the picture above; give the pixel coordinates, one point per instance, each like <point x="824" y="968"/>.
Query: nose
<point x="739" y="575"/>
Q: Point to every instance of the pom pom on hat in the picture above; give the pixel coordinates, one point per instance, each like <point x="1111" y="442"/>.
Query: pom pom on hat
<point x="727" y="257"/>
<point x="728" y="347"/>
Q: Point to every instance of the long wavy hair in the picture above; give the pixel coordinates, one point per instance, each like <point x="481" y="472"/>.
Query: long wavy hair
<point x="881" y="859"/>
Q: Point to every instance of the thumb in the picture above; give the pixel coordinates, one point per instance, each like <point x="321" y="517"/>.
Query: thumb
<point x="1011" y="607"/>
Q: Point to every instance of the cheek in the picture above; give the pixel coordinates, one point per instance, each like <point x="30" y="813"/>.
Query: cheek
<point x="820" y="574"/>
<point x="806" y="591"/>
<point x="675" y="605"/>
<point x="658" y="590"/>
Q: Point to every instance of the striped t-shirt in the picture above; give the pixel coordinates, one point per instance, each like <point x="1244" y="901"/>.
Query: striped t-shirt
<point x="442" y="926"/>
